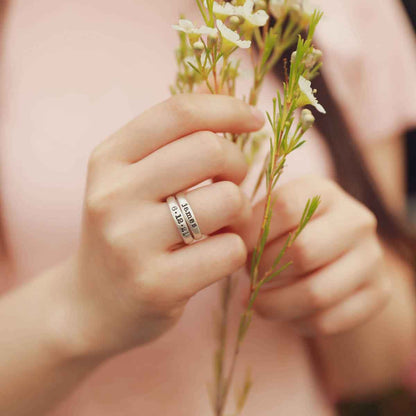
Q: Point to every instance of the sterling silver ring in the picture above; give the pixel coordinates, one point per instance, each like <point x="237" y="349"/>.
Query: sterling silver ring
<point x="189" y="216"/>
<point x="179" y="219"/>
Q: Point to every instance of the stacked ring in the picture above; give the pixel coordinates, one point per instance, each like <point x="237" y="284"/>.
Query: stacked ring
<point x="179" y="219"/>
<point x="189" y="216"/>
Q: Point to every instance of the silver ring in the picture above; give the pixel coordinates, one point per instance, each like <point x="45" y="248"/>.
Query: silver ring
<point x="179" y="219"/>
<point x="189" y="216"/>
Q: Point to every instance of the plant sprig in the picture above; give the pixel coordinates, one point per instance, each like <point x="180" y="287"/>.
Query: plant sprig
<point x="206" y="56"/>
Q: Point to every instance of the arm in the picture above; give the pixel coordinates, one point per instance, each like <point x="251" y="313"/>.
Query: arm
<point x="373" y="356"/>
<point x="39" y="363"/>
<point x="126" y="284"/>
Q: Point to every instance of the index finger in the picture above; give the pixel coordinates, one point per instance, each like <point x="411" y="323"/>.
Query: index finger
<point x="179" y="116"/>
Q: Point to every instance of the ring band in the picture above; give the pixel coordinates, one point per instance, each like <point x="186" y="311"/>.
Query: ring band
<point x="179" y="219"/>
<point x="189" y="216"/>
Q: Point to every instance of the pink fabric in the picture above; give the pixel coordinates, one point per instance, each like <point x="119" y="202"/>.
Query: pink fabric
<point x="370" y="62"/>
<point x="72" y="72"/>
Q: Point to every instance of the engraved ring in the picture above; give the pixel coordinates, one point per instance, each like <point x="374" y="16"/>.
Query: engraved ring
<point x="189" y="216"/>
<point x="179" y="219"/>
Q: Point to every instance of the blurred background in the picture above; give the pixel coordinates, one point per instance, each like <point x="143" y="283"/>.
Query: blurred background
<point x="411" y="136"/>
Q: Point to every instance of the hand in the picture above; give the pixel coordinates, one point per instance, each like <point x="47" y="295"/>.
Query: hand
<point x="133" y="274"/>
<point x="337" y="279"/>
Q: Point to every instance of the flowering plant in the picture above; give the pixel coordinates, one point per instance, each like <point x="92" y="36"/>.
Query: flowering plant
<point x="206" y="57"/>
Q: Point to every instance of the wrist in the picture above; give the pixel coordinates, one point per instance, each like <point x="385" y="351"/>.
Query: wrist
<point x="68" y="326"/>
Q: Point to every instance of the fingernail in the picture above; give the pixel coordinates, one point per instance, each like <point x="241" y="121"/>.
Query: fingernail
<point x="258" y="114"/>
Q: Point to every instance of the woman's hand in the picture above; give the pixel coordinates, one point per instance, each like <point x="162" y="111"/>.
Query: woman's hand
<point x="133" y="273"/>
<point x="337" y="280"/>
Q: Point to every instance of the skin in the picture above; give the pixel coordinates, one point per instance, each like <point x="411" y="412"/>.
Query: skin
<point x="347" y="292"/>
<point x="131" y="258"/>
<point x="373" y="356"/>
<point x="337" y="261"/>
<point x="136" y="271"/>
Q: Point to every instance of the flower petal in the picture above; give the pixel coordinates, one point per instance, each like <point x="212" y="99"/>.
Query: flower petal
<point x="306" y="88"/>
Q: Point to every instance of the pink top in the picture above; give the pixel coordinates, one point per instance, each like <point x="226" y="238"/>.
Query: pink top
<point x="74" y="71"/>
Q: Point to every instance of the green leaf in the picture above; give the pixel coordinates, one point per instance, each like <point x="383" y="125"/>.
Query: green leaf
<point x="243" y="394"/>
<point x="276" y="273"/>
<point x="269" y="45"/>
<point x="194" y="68"/>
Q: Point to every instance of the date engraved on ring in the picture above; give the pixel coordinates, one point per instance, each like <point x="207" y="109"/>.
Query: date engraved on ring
<point x="180" y="221"/>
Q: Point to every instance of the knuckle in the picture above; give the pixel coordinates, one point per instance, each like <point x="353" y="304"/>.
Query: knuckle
<point x="96" y="157"/>
<point x="238" y="251"/>
<point x="300" y="252"/>
<point x="183" y="107"/>
<point x="232" y="198"/>
<point x="313" y="297"/>
<point x="364" y="218"/>
<point x="370" y="219"/>
<point x="212" y="149"/>
<point x="96" y="206"/>
<point x="99" y="203"/>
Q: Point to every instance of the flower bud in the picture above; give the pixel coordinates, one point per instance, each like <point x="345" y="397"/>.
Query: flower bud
<point x="306" y="119"/>
<point x="260" y="5"/>
<point x="212" y="40"/>
<point x="234" y="22"/>
<point x="293" y="57"/>
<point x="198" y="48"/>
<point x="313" y="58"/>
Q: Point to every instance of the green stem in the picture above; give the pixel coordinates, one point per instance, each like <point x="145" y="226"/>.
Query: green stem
<point x="225" y="306"/>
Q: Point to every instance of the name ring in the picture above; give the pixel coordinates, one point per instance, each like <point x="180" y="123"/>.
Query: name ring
<point x="189" y="216"/>
<point x="179" y="219"/>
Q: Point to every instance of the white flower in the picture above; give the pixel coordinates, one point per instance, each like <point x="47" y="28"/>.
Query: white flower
<point x="230" y="38"/>
<point x="277" y="8"/>
<point x="308" y="97"/>
<point x="188" y="27"/>
<point x="258" y="18"/>
<point x="280" y="7"/>
<point x="226" y="9"/>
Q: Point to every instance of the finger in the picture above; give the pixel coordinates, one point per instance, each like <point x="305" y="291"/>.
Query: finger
<point x="187" y="162"/>
<point x="324" y="288"/>
<point x="215" y="206"/>
<point x="180" y="116"/>
<point x="291" y="199"/>
<point x="197" y="266"/>
<point x="354" y="311"/>
<point x="324" y="240"/>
